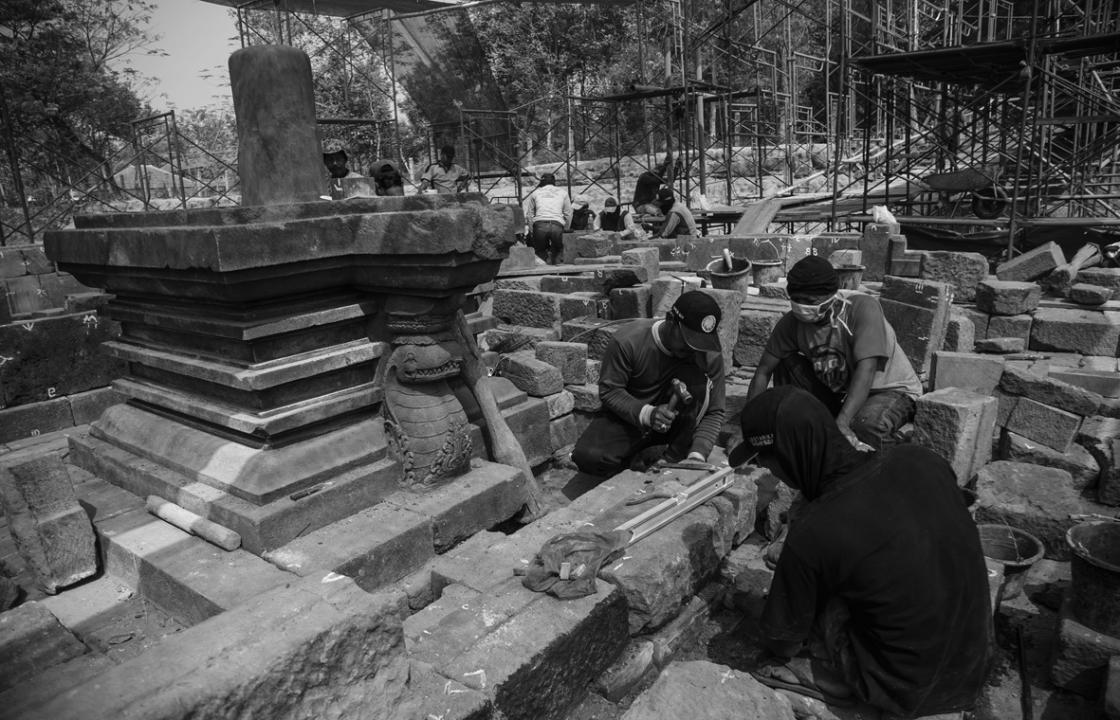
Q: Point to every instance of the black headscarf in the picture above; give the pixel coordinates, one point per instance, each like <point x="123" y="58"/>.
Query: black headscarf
<point x="791" y="425"/>
<point x="812" y="275"/>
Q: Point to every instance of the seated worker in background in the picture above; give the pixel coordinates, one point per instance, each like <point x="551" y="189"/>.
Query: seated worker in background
<point x="334" y="157"/>
<point x="678" y="219"/>
<point x="647" y="185"/>
<point x="548" y="211"/>
<point x="388" y="180"/>
<point x="636" y="386"/>
<point x="583" y="217"/>
<point x="882" y="580"/>
<point x="837" y="345"/>
<point x="616" y="218"/>
<point x="445" y="176"/>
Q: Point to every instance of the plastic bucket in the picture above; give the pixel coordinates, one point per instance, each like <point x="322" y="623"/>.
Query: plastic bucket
<point x="738" y="279"/>
<point x="850" y="276"/>
<point x="1095" y="566"/>
<point x="1013" y="548"/>
<point x="767" y="271"/>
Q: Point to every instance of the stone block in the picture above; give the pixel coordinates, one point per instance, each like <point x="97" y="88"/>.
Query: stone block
<point x="876" y="248"/>
<point x="559" y="404"/>
<point x="1005" y="297"/>
<point x="570" y="358"/>
<point x="755" y="326"/>
<point x="12" y="263"/>
<point x="1102" y="277"/>
<point x="960" y="333"/>
<point x="668" y="249"/>
<point x="1043" y="423"/>
<point x="1039" y="500"/>
<point x="645" y="257"/>
<point x="664" y="291"/>
<point x="1049" y="390"/>
<point x="586" y="397"/>
<point x="537" y="309"/>
<point x="1082" y="331"/>
<point x="627" y="671"/>
<point x="1000" y="345"/>
<point x="26" y="295"/>
<point x="596" y="333"/>
<point x="51" y="530"/>
<point x="1077" y="461"/>
<point x="957" y="425"/>
<point x="1004" y="326"/>
<point x="31" y="641"/>
<point x="620" y="277"/>
<point x="1112" y="689"/>
<point x="704" y="690"/>
<point x="520" y="258"/>
<point x="511" y="338"/>
<point x="88" y="406"/>
<point x="841" y="258"/>
<point x="1108" y="487"/>
<point x="591" y="245"/>
<point x="920" y="332"/>
<point x="773" y="291"/>
<point x="526" y="282"/>
<point x="1032" y="264"/>
<point x="729" y="303"/>
<point x="564" y="284"/>
<point x="967" y="371"/>
<point x="593" y="368"/>
<point x="979" y="319"/>
<point x="1081" y="655"/>
<point x="563" y="432"/>
<point x="534" y="377"/>
<point x="1092" y="295"/>
<point x="1105" y="383"/>
<point x="962" y="270"/>
<point x="630" y="302"/>
<point x="25" y="421"/>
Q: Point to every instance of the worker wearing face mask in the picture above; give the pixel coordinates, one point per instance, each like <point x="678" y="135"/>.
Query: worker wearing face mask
<point x="837" y="345"/>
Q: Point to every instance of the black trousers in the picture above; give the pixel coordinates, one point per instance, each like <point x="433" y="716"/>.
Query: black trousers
<point x="548" y="240"/>
<point x="609" y="443"/>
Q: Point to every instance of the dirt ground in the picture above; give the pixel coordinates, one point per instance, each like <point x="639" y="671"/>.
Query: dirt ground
<point x="730" y="636"/>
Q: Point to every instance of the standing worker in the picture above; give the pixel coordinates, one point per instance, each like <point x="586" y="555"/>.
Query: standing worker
<point x="445" y="176"/>
<point x="881" y="594"/>
<point x="636" y="387"/>
<point x="548" y="211"/>
<point x="837" y="345"/>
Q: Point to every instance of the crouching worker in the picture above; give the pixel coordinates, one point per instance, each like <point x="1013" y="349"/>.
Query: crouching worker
<point x="837" y="345"/>
<point x="636" y="387"/>
<point x="881" y="593"/>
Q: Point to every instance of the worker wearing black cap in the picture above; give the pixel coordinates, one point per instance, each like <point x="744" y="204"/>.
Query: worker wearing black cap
<point x="837" y="345"/>
<point x="636" y="388"/>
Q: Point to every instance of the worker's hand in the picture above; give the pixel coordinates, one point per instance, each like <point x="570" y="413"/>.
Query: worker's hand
<point x="851" y="436"/>
<point x="662" y="418"/>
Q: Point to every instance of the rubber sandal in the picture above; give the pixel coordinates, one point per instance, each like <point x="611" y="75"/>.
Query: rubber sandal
<point x="801" y="688"/>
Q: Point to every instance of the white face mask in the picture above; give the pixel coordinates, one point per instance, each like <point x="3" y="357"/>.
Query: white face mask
<point x="811" y="313"/>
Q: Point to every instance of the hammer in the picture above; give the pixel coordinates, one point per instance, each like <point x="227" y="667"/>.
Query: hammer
<point x="680" y="395"/>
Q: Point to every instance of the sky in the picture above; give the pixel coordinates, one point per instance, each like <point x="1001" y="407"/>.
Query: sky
<point x="198" y="38"/>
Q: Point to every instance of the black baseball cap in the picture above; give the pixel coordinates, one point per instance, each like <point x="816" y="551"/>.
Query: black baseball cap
<point x="699" y="316"/>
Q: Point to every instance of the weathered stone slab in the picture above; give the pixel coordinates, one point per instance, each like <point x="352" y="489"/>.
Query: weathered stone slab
<point x="32" y="640"/>
<point x="957" y="425"/>
<point x="960" y="333"/>
<point x="1033" y="498"/>
<point x="967" y="371"/>
<point x="592" y="245"/>
<point x="876" y="248"/>
<point x="570" y="283"/>
<point x="559" y="404"/>
<point x="538" y="309"/>
<point x="1049" y="390"/>
<point x="1001" y="345"/>
<point x="1010" y="326"/>
<point x="520" y="257"/>
<point x="593" y="369"/>
<point x="535" y="377"/>
<point x="51" y="530"/>
<point x="664" y="291"/>
<point x="962" y="270"/>
<point x="1085" y="294"/>
<point x="1004" y="297"/>
<point x="511" y="338"/>
<point x="1077" y="461"/>
<point x="1081" y="655"/>
<point x="702" y="690"/>
<point x="595" y="332"/>
<point x="586" y="397"/>
<point x="28" y="421"/>
<point x="645" y="257"/>
<point x="563" y="432"/>
<point x="729" y="303"/>
<point x="1100" y="382"/>
<point x="1032" y="264"/>
<point x="1102" y="277"/>
<point x="755" y="326"/>
<point x="1083" y="331"/>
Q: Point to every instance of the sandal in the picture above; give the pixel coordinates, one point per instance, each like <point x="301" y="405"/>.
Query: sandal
<point x="803" y="686"/>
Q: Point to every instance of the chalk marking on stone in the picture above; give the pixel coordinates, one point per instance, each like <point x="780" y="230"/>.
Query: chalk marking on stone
<point x="332" y="577"/>
<point x="481" y="677"/>
<point x="725" y="676"/>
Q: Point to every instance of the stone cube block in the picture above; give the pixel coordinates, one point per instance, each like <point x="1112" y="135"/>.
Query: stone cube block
<point x="920" y="332"/>
<point x="967" y="371"/>
<point x="1032" y="264"/>
<point x="875" y="245"/>
<point x="24" y="421"/>
<point x="532" y="376"/>
<point x="1005" y="297"/>
<point x="729" y="303"/>
<point x="596" y="333"/>
<point x="1010" y="326"/>
<point x="755" y="326"/>
<point x="664" y="291"/>
<point x="570" y="283"/>
<point x="960" y="333"/>
<point x="1105" y="383"/>
<point x="1000" y="345"/>
<point x="570" y="357"/>
<point x="586" y="397"/>
<point x="1077" y="461"/>
<point x="630" y="302"/>
<point x="592" y="245"/>
<point x="532" y="309"/>
<point x="962" y="270"/>
<point x="645" y="257"/>
<point x="563" y="432"/>
<point x="1102" y="277"/>
<point x="1082" y="331"/>
<point x="559" y="404"/>
<point x="1085" y="294"/>
<point x="957" y="425"/>
<point x="593" y="368"/>
<point x="1043" y="423"/>
<point x="1081" y="655"/>
<point x="52" y="532"/>
<point x="520" y="257"/>
<point x="620" y="277"/>
<point x="511" y="338"/>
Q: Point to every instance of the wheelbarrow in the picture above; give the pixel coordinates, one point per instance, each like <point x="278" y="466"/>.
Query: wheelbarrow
<point x="988" y="200"/>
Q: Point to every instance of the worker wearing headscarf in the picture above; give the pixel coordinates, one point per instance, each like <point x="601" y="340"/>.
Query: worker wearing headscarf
<point x="883" y="566"/>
